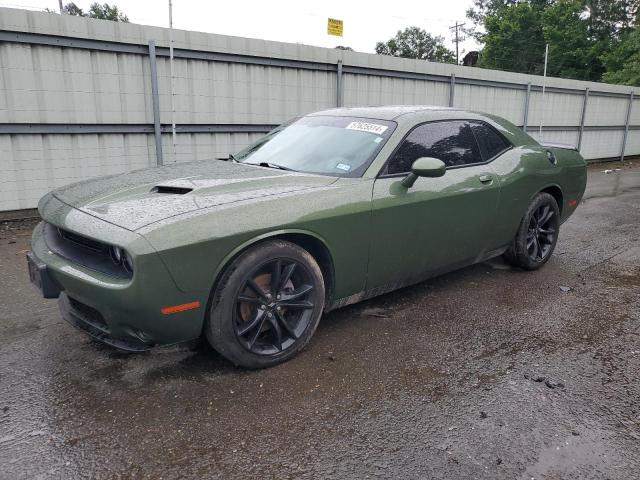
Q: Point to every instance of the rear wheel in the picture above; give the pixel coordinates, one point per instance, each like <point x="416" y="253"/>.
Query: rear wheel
<point x="267" y="305"/>
<point x="537" y="234"/>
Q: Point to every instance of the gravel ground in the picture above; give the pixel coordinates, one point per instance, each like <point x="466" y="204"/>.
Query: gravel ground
<point x="487" y="372"/>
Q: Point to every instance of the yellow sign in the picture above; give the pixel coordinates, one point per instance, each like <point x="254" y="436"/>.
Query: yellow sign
<point x="334" y="27"/>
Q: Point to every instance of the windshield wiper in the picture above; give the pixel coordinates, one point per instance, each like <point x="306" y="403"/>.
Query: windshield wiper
<point x="271" y="165"/>
<point x="230" y="158"/>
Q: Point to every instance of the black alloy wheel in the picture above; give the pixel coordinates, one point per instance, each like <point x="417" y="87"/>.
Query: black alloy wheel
<point x="537" y="234"/>
<point x="541" y="234"/>
<point x="274" y="306"/>
<point x="266" y="305"/>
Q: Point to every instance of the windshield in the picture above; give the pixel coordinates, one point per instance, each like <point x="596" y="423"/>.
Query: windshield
<point x="336" y="146"/>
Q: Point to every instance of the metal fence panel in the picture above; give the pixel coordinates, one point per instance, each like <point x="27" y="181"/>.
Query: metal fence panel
<point x="508" y="103"/>
<point x="76" y="98"/>
<point x="35" y="164"/>
<point x="557" y="109"/>
<point x="606" y="111"/>
<point x="603" y="143"/>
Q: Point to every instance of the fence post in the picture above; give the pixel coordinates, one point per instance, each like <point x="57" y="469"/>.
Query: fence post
<point x="339" y="85"/>
<point x="452" y="90"/>
<point x="155" y="102"/>
<point x="626" y="127"/>
<point x="583" y="116"/>
<point x="525" y="120"/>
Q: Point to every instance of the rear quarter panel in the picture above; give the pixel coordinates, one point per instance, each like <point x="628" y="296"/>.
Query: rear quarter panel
<point x="524" y="171"/>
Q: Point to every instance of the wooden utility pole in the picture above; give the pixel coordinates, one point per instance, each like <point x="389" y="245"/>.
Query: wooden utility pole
<point x="457" y="40"/>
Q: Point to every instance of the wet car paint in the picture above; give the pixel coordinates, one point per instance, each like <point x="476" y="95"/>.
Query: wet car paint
<point x="487" y="372"/>
<point x="375" y="245"/>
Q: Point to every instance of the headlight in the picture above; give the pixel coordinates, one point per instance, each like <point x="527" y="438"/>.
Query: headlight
<point x="121" y="257"/>
<point x="127" y="262"/>
<point x="116" y="254"/>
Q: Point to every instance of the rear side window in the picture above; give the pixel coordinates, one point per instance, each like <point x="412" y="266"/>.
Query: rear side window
<point x="491" y="142"/>
<point x="451" y="142"/>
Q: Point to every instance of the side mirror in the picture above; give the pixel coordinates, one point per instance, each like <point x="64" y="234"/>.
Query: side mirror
<point x="424" y="167"/>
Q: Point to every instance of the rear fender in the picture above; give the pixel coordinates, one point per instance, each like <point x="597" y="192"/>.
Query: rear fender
<point x="572" y="176"/>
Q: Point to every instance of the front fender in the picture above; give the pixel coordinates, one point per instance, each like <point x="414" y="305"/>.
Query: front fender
<point x="197" y="247"/>
<point x="265" y="236"/>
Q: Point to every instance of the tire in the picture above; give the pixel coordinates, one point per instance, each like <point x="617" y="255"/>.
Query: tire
<point x="283" y="322"/>
<point x="537" y="234"/>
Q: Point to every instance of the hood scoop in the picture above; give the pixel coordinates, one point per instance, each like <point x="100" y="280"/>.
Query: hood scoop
<point x="171" y="190"/>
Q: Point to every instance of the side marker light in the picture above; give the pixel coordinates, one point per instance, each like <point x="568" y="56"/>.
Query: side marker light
<point x="179" y="308"/>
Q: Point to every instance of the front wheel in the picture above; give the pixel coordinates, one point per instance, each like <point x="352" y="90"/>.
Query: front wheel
<point x="266" y="305"/>
<point x="537" y="234"/>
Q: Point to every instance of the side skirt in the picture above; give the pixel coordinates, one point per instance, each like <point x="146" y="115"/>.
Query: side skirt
<point x="390" y="287"/>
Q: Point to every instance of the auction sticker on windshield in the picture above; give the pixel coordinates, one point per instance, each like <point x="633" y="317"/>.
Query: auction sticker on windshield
<point x="367" y="127"/>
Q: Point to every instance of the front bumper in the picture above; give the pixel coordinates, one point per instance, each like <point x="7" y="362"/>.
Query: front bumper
<point x="92" y="323"/>
<point x="124" y="313"/>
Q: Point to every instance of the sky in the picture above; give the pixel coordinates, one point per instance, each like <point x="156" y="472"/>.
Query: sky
<point x="365" y="22"/>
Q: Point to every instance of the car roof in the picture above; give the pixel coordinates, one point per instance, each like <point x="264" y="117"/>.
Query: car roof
<point x="389" y="112"/>
<point x="409" y="115"/>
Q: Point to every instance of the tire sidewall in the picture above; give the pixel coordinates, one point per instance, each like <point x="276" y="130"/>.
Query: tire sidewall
<point x="219" y="328"/>
<point x="519" y="248"/>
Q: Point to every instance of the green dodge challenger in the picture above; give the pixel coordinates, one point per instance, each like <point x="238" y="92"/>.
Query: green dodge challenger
<point x="326" y="210"/>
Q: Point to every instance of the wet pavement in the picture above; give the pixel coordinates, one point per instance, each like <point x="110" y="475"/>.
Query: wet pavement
<point x="487" y="372"/>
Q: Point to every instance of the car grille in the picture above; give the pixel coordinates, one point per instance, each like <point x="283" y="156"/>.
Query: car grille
<point x="88" y="252"/>
<point x="89" y="315"/>
<point x="81" y="241"/>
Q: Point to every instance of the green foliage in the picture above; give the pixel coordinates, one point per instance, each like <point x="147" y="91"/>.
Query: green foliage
<point x="623" y="61"/>
<point x="107" y="12"/>
<point x="102" y="11"/>
<point x="574" y="52"/>
<point x="513" y="38"/>
<point x="72" y="9"/>
<point x="414" y="42"/>
<point x="588" y="39"/>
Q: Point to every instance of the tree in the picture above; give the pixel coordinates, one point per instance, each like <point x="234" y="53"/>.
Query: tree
<point x="581" y="34"/>
<point x="96" y="10"/>
<point x="623" y="61"/>
<point x="414" y="42"/>
<point x="488" y="8"/>
<point x="574" y="51"/>
<point x="107" y="12"/>
<point x="72" y="9"/>
<point x="513" y="38"/>
<point x="610" y="19"/>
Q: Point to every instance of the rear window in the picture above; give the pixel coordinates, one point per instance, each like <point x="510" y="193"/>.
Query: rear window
<point x="491" y="142"/>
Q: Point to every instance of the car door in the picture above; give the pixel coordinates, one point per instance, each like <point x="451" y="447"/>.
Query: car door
<point x="439" y="223"/>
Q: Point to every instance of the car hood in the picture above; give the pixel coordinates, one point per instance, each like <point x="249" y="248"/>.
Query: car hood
<point x="137" y="199"/>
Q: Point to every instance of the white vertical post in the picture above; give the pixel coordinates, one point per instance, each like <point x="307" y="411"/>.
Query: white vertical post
<point x="155" y="102"/>
<point x="339" y="96"/>
<point x="452" y="90"/>
<point x="544" y="86"/>
<point x="173" y="104"/>
<point x="626" y="127"/>
<point x="583" y="117"/>
<point x="527" y="97"/>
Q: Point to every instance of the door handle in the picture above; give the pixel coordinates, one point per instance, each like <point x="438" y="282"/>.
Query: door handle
<point x="485" y="178"/>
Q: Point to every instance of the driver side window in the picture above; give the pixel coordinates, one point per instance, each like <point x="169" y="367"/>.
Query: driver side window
<point x="451" y="142"/>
